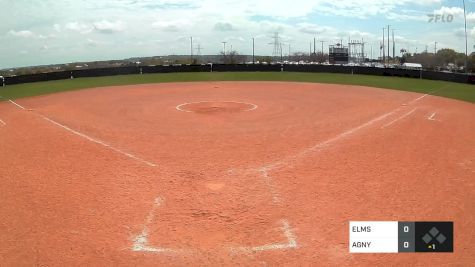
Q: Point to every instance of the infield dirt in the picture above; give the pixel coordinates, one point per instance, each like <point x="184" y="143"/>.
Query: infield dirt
<point x="121" y="176"/>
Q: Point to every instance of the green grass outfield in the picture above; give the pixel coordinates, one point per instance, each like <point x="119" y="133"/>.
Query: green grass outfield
<point x="459" y="91"/>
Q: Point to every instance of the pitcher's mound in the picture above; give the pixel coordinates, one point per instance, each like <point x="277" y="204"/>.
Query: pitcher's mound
<point x="216" y="107"/>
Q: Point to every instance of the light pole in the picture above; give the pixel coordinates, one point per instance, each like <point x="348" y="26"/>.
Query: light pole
<point x="466" y="41"/>
<point x="394" y="44"/>
<point x="253" y="55"/>
<point x="384" y="48"/>
<point x="191" y="49"/>
<point x="224" y="52"/>
<point x="389" y="57"/>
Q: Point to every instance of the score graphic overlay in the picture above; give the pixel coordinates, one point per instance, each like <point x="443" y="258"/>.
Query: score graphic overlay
<point x="400" y="237"/>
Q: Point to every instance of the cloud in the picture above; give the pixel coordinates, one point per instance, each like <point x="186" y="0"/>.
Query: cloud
<point x="22" y="34"/>
<point x="57" y="27"/>
<point x="171" y="25"/>
<point x="311" y="28"/>
<point x="78" y="27"/>
<point x="105" y="26"/>
<point x="75" y="27"/>
<point x="223" y="27"/>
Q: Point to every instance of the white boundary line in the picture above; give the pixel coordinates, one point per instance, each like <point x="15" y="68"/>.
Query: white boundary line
<point x="431" y="117"/>
<point x="399" y="118"/>
<point x="287" y="161"/>
<point x="94" y="140"/>
<point x="291" y="241"/>
<point x="97" y="141"/>
<point x="16" y="104"/>
<point x="179" y="107"/>
<point x="141" y="241"/>
<point x="264" y="170"/>
<point x="2" y="123"/>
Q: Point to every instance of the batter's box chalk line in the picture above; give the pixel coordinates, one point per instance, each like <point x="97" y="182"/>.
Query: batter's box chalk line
<point x="141" y="241"/>
<point x="290" y="244"/>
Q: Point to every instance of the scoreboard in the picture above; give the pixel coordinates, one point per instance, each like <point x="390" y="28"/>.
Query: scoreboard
<point x="400" y="237"/>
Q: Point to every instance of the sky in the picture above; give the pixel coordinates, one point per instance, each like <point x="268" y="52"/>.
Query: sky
<point x="41" y="32"/>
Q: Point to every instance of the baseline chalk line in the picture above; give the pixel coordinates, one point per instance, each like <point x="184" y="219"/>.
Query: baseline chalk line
<point x="141" y="241"/>
<point x="290" y="244"/>
<point x="265" y="170"/>
<point x="97" y="141"/>
<point x="399" y="118"/>
<point x="16" y="104"/>
<point x="268" y="181"/>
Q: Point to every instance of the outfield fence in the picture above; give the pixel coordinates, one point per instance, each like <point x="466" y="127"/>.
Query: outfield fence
<point x="100" y="72"/>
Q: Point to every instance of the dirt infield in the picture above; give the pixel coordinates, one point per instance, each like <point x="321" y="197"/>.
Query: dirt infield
<point x="229" y="173"/>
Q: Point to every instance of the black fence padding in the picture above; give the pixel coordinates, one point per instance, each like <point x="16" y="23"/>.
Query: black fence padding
<point x="176" y="68"/>
<point x="30" y="78"/>
<point x="400" y="72"/>
<point x="105" y="72"/>
<point x="445" y="76"/>
<point x="471" y="79"/>
<point x="318" y="68"/>
<point x="432" y="75"/>
<point x="59" y="75"/>
<point x="247" y="67"/>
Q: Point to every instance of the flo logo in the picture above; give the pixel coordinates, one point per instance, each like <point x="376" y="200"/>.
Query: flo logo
<point x="440" y="18"/>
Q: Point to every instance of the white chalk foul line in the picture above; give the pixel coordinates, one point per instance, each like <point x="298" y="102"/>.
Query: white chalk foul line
<point x="264" y="171"/>
<point x="179" y="107"/>
<point x="399" y="118"/>
<point x="94" y="140"/>
<point x="290" y="244"/>
<point x="97" y="141"/>
<point x="16" y="104"/>
<point x="141" y="242"/>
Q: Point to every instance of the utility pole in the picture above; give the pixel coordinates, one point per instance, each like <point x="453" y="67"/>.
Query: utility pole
<point x="224" y="52"/>
<point x="191" y="50"/>
<point x="388" y="43"/>
<point x="314" y="45"/>
<point x="466" y="42"/>
<point x="224" y="48"/>
<point x="281" y="54"/>
<point x="199" y="48"/>
<point x="435" y="48"/>
<point x="394" y="44"/>
<point x="253" y="55"/>
<point x="384" y="53"/>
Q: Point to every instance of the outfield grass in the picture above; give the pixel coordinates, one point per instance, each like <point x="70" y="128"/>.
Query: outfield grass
<point x="459" y="91"/>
